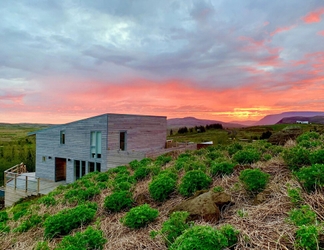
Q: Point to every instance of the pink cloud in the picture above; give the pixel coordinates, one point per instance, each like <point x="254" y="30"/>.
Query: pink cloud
<point x="314" y="16"/>
<point x="321" y="33"/>
<point x="282" y="29"/>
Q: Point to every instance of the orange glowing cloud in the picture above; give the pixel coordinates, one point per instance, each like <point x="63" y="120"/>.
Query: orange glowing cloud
<point x="314" y="17"/>
<point x="321" y="33"/>
<point x="282" y="29"/>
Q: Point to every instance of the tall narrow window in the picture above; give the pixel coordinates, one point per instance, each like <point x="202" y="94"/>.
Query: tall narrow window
<point x="62" y="136"/>
<point x="122" y="140"/>
<point x="95" y="144"/>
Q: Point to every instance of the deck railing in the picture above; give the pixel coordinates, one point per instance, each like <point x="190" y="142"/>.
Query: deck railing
<point x="17" y="178"/>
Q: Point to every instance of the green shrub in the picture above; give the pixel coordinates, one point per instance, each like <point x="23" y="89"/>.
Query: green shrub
<point x="30" y="222"/>
<point x="296" y="157"/>
<point x="47" y="200"/>
<point x="141" y="173"/>
<point x="20" y="210"/>
<point x="89" y="239"/>
<point x="102" y="185"/>
<point x="3" y="216"/>
<point x="307" y="238"/>
<point x="218" y="189"/>
<point x="41" y="245"/>
<point x="214" y="155"/>
<point x="311" y="177"/>
<point x="168" y="173"/>
<point x="317" y="156"/>
<point x="307" y="136"/>
<point x="230" y="233"/>
<point x="254" y="180"/>
<point x="267" y="157"/>
<point x="122" y="186"/>
<point x="195" y="165"/>
<point x="309" y="144"/>
<point x="200" y="238"/>
<point x="118" y="201"/>
<point x="119" y="169"/>
<point x="66" y="220"/>
<point x="161" y="187"/>
<point x="4" y="228"/>
<point x="134" y="164"/>
<point x="181" y="163"/>
<point x="234" y="147"/>
<point x="302" y="216"/>
<point x="193" y="181"/>
<point x="140" y="216"/>
<point x="81" y="194"/>
<point x="295" y="196"/>
<point x="174" y="226"/>
<point x="247" y="156"/>
<point x="102" y="177"/>
<point x="221" y="168"/>
<point x="162" y="160"/>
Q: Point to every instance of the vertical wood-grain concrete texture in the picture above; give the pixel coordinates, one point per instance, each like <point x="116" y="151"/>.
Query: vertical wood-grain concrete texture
<point x="143" y="134"/>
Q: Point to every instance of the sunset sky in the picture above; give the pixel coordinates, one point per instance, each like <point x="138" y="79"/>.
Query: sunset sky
<point x="227" y="60"/>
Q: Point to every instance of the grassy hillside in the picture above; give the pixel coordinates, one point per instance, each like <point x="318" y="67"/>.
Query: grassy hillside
<point x="276" y="202"/>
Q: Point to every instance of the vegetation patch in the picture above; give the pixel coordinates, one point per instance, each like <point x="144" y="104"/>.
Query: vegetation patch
<point x="161" y="187"/>
<point x="140" y="216"/>
<point x="193" y="181"/>
<point x="66" y="220"/>
<point x="311" y="177"/>
<point x="118" y="201"/>
<point x="254" y="180"/>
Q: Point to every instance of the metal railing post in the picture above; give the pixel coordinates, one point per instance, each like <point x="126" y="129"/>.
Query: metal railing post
<point x="38" y="185"/>
<point x="26" y="183"/>
<point x="15" y="181"/>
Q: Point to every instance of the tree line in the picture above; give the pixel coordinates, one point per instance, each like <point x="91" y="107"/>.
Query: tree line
<point x="198" y="129"/>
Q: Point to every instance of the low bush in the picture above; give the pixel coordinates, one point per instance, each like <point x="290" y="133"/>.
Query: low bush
<point x="30" y="222"/>
<point x="302" y="216"/>
<point x="42" y="245"/>
<point x="118" y="201"/>
<point x="214" y="155"/>
<point x="122" y="186"/>
<point x="89" y="239"/>
<point x="134" y="164"/>
<point x="162" y="160"/>
<point x="311" y="177"/>
<point x="307" y="238"/>
<point x="193" y="181"/>
<point x="317" y="156"/>
<point x="221" y="168"/>
<point x="140" y="216"/>
<point x="254" y="180"/>
<point x="230" y="233"/>
<point x="66" y="220"/>
<point x="47" y="200"/>
<point x="296" y="157"/>
<point x="195" y="165"/>
<point x="161" y="187"/>
<point x="247" y="156"/>
<point x="309" y="144"/>
<point x="3" y="216"/>
<point x="233" y="148"/>
<point x="20" y="210"/>
<point x="4" y="228"/>
<point x="174" y="226"/>
<point x="307" y="136"/>
<point x="200" y="238"/>
<point x="102" y="177"/>
<point x="141" y="173"/>
<point x="295" y="196"/>
<point x="81" y="194"/>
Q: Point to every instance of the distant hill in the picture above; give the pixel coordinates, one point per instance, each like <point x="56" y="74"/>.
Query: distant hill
<point x="314" y="119"/>
<point x="273" y="119"/>
<point x="192" y="122"/>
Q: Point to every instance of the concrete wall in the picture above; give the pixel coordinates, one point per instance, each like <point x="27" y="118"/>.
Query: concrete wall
<point x="76" y="147"/>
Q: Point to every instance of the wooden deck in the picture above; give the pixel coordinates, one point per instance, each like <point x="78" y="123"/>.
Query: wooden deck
<point x="22" y="187"/>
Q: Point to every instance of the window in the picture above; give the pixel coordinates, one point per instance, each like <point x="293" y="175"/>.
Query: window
<point x="62" y="136"/>
<point x="43" y="158"/>
<point x="95" y="144"/>
<point x="94" y="166"/>
<point x="122" y="140"/>
<point x="79" y="169"/>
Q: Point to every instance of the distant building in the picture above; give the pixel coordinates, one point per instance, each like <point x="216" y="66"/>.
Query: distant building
<point x="69" y="151"/>
<point x="302" y="122"/>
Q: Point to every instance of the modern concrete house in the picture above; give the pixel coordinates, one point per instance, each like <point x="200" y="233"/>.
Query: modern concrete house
<point x="69" y="151"/>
